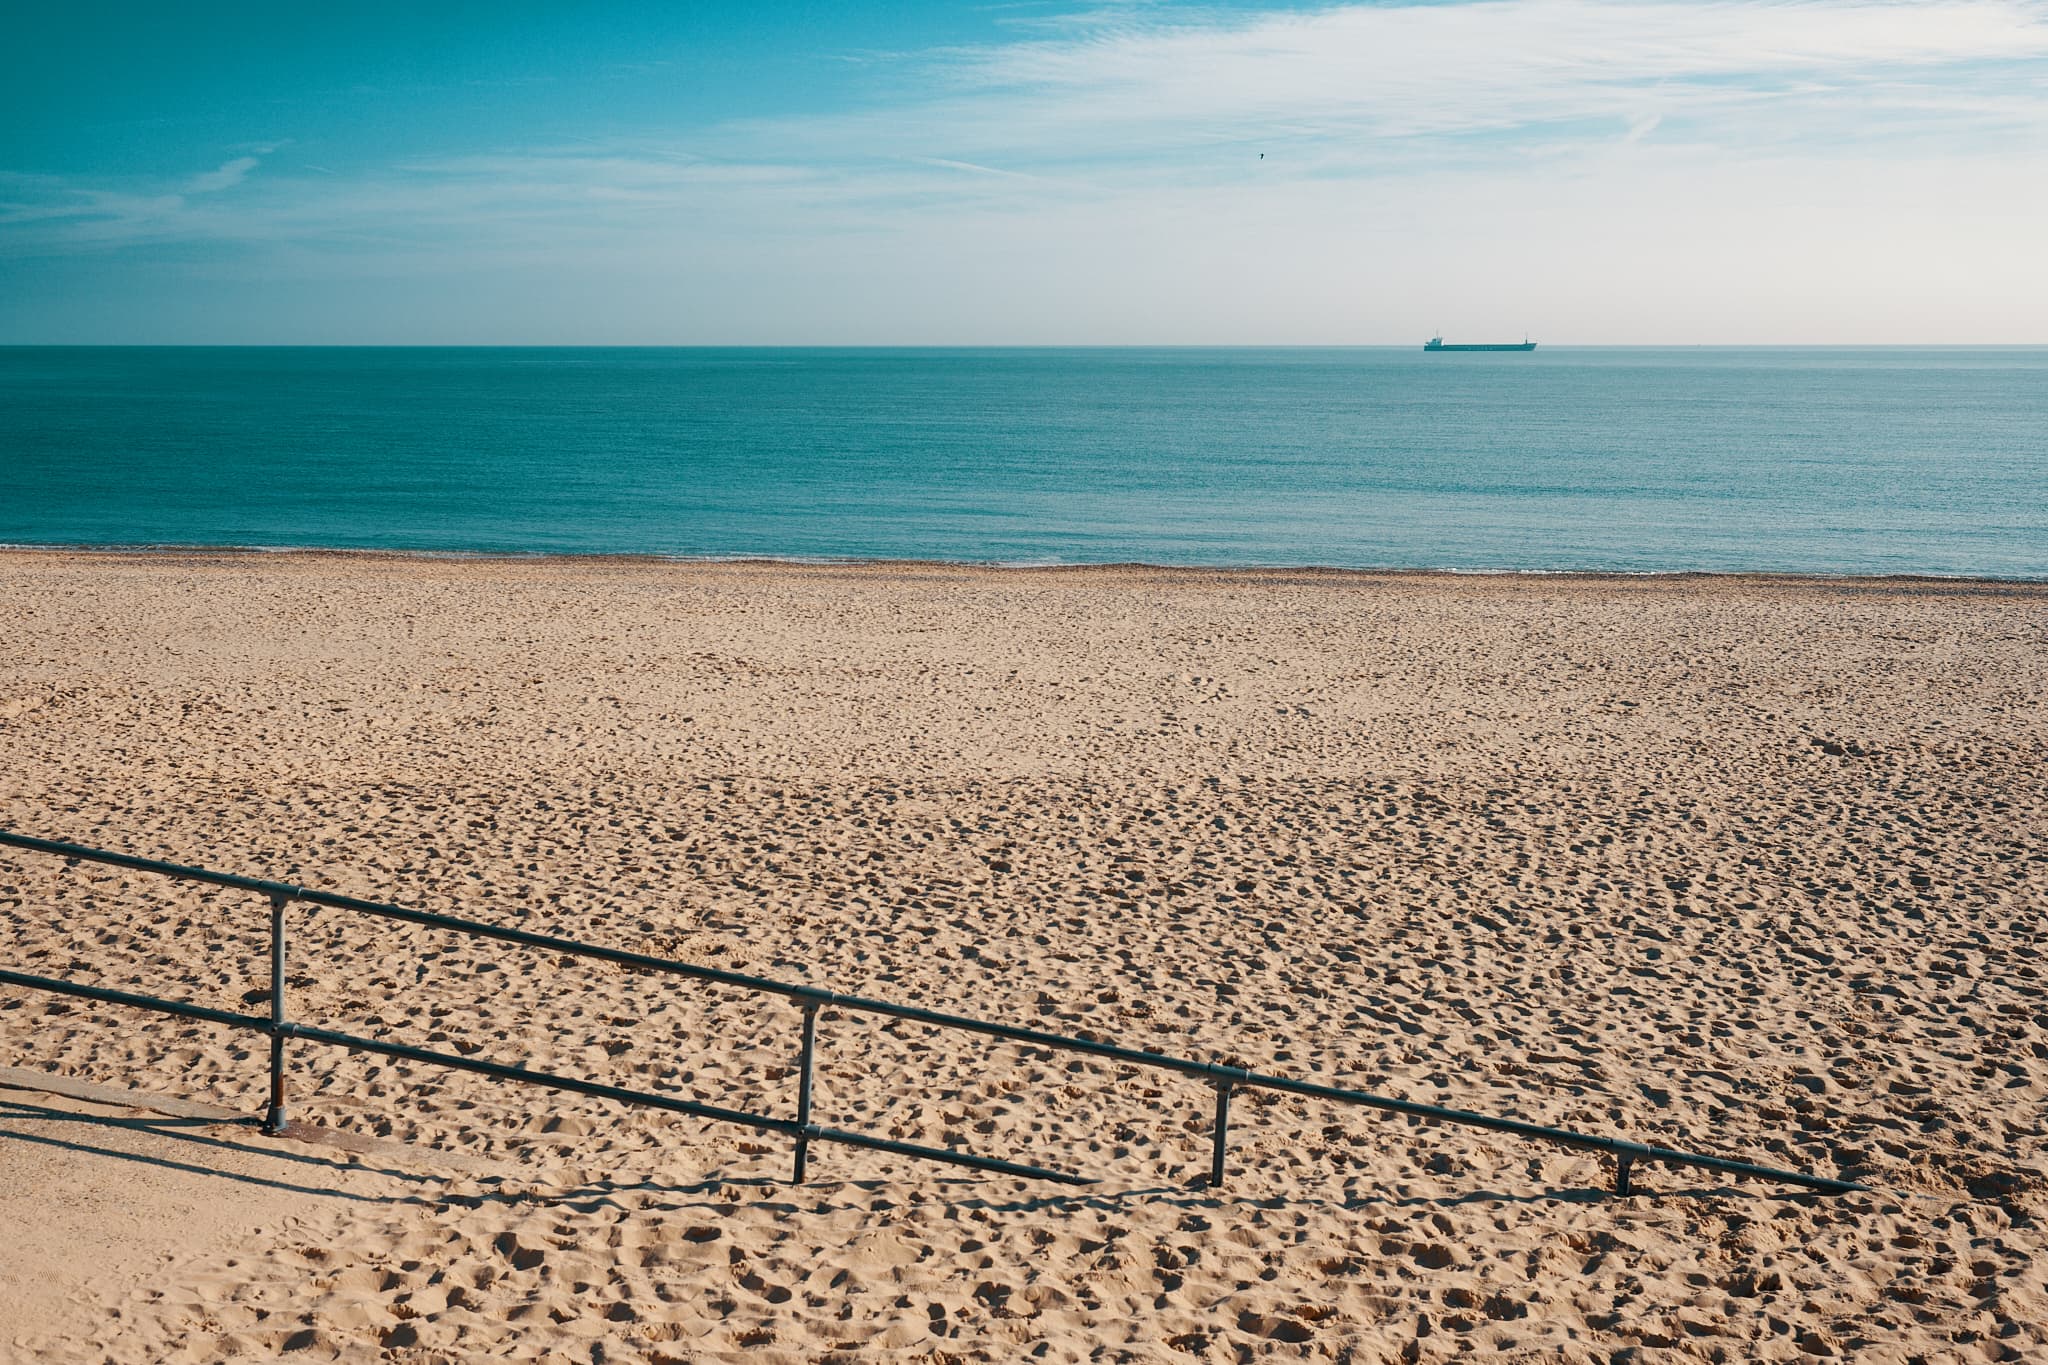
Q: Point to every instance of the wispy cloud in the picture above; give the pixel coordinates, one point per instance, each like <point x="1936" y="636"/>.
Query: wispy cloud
<point x="85" y="214"/>
<point x="1126" y="95"/>
<point x="223" y="177"/>
<point x="1140" y="83"/>
<point x="1123" y="145"/>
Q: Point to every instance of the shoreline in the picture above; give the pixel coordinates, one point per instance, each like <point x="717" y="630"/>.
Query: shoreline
<point x="146" y="553"/>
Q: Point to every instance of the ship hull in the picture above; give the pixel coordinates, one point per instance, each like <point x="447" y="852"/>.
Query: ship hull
<point x="1503" y="346"/>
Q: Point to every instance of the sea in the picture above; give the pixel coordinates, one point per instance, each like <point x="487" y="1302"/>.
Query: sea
<point x="1867" y="461"/>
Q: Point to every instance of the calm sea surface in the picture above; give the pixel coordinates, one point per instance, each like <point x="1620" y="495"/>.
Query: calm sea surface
<point x="1804" y="460"/>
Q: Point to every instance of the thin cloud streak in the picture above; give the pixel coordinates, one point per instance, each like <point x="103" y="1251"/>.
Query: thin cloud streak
<point x="970" y="167"/>
<point x="229" y="175"/>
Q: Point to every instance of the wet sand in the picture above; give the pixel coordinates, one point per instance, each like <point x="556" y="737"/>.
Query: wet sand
<point x="1748" y="866"/>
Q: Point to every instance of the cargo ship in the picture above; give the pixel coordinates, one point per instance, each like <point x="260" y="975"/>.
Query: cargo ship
<point x="1439" y="344"/>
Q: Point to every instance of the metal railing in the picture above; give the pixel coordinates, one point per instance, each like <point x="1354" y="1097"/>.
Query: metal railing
<point x="1225" y="1079"/>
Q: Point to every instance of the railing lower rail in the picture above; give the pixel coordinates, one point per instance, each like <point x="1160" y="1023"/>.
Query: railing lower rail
<point x="1225" y="1079"/>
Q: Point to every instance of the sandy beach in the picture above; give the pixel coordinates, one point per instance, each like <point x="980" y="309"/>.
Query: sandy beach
<point x="1752" y="867"/>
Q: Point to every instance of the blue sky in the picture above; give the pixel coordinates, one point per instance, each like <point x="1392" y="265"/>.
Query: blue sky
<point x="1584" y="170"/>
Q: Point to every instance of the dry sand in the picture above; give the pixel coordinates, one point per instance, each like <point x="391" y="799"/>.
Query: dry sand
<point x="1754" y="867"/>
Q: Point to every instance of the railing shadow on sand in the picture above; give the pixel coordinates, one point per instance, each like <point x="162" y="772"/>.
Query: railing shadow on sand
<point x="1226" y="1080"/>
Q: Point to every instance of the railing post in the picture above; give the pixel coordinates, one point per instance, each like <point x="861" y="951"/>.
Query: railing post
<point x="274" y="1121"/>
<point x="1622" y="1162"/>
<point x="806" y="1066"/>
<point x="1222" y="1132"/>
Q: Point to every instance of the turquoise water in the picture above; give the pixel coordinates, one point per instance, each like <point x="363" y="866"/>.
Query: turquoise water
<point x="1804" y="460"/>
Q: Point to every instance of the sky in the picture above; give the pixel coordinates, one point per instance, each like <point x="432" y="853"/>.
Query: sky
<point x="1578" y="171"/>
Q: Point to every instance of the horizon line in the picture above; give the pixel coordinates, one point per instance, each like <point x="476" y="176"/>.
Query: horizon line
<point x="981" y="345"/>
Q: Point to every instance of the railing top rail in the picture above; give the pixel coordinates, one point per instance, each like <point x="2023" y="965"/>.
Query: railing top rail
<point x="642" y="961"/>
<point x="812" y="995"/>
